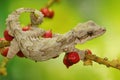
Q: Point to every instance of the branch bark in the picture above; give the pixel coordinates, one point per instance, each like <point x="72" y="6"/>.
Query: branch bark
<point x="104" y="61"/>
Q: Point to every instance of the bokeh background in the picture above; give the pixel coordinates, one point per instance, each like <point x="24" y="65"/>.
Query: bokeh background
<point x="67" y="14"/>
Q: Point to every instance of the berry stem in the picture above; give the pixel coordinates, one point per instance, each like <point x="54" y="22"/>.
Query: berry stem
<point x="3" y="67"/>
<point x="50" y="3"/>
<point x="4" y="43"/>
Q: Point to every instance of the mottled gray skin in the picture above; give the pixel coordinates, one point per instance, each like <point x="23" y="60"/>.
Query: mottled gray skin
<point x="39" y="49"/>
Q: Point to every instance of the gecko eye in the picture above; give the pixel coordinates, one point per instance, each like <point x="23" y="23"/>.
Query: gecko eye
<point x="90" y="33"/>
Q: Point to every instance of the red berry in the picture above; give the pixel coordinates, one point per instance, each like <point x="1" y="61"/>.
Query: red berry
<point x="51" y="13"/>
<point x="26" y="28"/>
<point x="7" y="36"/>
<point x="71" y="58"/>
<point x="48" y="34"/>
<point x="20" y="54"/>
<point x="88" y="51"/>
<point x="47" y="12"/>
<point x="5" y="52"/>
<point x="2" y="39"/>
<point x="66" y="62"/>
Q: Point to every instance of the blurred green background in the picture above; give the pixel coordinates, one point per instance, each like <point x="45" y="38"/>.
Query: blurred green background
<point x="67" y="14"/>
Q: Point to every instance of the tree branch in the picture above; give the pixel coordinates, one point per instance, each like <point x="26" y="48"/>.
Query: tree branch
<point x="104" y="61"/>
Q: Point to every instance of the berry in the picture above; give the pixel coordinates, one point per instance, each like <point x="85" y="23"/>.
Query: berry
<point x="7" y="36"/>
<point x="66" y="62"/>
<point x="26" y="28"/>
<point x="47" y="34"/>
<point x="20" y="54"/>
<point x="51" y="13"/>
<point x="71" y="58"/>
<point x="5" y="52"/>
<point x="47" y="12"/>
<point x="88" y="51"/>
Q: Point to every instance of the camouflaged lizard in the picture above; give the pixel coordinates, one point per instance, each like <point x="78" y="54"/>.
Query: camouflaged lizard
<point x="38" y="48"/>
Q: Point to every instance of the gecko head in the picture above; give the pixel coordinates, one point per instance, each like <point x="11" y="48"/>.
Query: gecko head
<point x="87" y="31"/>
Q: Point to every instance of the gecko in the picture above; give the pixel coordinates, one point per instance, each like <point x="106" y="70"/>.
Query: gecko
<point x="37" y="48"/>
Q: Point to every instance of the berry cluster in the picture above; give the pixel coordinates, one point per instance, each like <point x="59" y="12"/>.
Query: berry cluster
<point x="71" y="58"/>
<point x="47" y="12"/>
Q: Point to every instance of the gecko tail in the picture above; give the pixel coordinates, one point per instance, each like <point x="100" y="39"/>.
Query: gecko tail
<point x="13" y="23"/>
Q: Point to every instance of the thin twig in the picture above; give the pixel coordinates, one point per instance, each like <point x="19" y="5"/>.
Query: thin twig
<point x="50" y="3"/>
<point x="3" y="67"/>
<point x="4" y="43"/>
<point x="104" y="61"/>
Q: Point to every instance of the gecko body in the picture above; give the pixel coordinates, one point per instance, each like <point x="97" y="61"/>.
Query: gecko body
<point x="40" y="49"/>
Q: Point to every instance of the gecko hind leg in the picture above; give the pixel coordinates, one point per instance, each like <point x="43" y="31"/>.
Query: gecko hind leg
<point x="13" y="49"/>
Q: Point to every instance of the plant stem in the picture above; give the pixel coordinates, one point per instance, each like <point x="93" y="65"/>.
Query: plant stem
<point x="3" y="67"/>
<point x="4" y="43"/>
<point x="104" y="61"/>
<point x="50" y="3"/>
